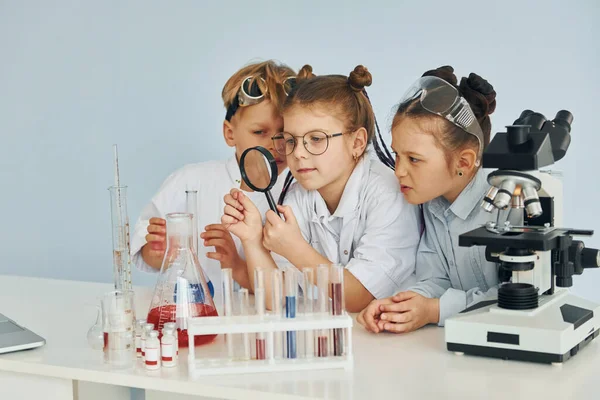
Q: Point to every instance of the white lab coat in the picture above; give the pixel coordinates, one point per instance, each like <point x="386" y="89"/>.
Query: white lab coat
<point x="374" y="232"/>
<point x="213" y="180"/>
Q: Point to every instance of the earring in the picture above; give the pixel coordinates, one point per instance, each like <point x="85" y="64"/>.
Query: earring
<point x="460" y="173"/>
<point x="355" y="157"/>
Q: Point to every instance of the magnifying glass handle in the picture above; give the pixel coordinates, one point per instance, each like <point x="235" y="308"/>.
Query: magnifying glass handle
<point x="271" y="202"/>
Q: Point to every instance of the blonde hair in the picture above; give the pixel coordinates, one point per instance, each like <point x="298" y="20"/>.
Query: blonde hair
<point x="273" y="74"/>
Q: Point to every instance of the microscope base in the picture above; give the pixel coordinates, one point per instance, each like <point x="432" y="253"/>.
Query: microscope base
<point x="552" y="333"/>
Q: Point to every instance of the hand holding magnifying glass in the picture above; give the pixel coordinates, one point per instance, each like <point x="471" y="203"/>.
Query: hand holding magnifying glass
<point x="241" y="217"/>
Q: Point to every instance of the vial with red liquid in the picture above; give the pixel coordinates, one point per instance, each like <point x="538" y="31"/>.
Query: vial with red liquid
<point x="181" y="291"/>
<point x="152" y="360"/>
<point x="337" y="306"/>
<point x="168" y="348"/>
<point x="322" y="339"/>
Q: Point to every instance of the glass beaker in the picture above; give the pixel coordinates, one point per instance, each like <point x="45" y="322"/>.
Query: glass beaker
<point x="118" y="316"/>
<point x="181" y="291"/>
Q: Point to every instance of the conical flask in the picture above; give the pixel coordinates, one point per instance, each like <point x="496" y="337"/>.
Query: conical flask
<point x="181" y="291"/>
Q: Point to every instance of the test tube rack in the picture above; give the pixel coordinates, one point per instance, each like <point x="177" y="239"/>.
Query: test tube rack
<point x="269" y="324"/>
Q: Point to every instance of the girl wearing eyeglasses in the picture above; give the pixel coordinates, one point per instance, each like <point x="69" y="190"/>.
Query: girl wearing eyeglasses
<point x="345" y="208"/>
<point x="253" y="98"/>
<point x="438" y="134"/>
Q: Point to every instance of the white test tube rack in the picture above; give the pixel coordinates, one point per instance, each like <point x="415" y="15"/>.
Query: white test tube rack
<point x="268" y="324"/>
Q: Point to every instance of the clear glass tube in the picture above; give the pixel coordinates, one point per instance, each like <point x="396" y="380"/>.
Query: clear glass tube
<point x="337" y="306"/>
<point x="291" y="294"/>
<point x="309" y="300"/>
<point x="277" y="300"/>
<point x="120" y="237"/>
<point x="259" y="303"/>
<point x="322" y="345"/>
<point x="191" y="201"/>
<point x="227" y="279"/>
<point x="245" y="310"/>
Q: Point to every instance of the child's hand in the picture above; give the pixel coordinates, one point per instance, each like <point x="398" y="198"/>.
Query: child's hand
<point x="408" y="312"/>
<point x="241" y="217"/>
<point x="153" y="251"/>
<point x="282" y="236"/>
<point x="369" y="317"/>
<point x="217" y="236"/>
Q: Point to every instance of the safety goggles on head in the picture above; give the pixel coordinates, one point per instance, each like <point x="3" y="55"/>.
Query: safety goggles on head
<point x="441" y="98"/>
<point x="252" y="91"/>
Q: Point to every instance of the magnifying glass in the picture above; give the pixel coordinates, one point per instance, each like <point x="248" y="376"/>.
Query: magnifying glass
<point x="259" y="170"/>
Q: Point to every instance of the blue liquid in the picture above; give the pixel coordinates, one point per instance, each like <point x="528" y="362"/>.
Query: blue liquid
<point x="290" y="312"/>
<point x="197" y="292"/>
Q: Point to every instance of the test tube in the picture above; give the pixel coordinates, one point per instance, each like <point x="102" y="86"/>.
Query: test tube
<point x="291" y="293"/>
<point x="259" y="303"/>
<point x="227" y="279"/>
<point x="309" y="297"/>
<point x="323" y="308"/>
<point x="337" y="306"/>
<point x="245" y="310"/>
<point x="277" y="300"/>
<point x="191" y="198"/>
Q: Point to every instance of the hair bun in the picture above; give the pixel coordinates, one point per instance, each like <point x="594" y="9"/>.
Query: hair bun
<point x="306" y="72"/>
<point x="479" y="93"/>
<point x="360" y="78"/>
<point x="445" y="72"/>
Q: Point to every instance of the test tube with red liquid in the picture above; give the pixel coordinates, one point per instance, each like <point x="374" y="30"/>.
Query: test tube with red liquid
<point x="309" y="297"/>
<point x="322" y="345"/>
<point x="337" y="306"/>
<point x="259" y="302"/>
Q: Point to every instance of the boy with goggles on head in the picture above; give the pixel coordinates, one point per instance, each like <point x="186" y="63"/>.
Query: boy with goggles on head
<point x="253" y="97"/>
<point x="345" y="207"/>
<point x="438" y="136"/>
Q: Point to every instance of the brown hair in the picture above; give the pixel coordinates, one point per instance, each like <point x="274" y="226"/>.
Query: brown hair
<point x="345" y="96"/>
<point x="272" y="72"/>
<point x="481" y="97"/>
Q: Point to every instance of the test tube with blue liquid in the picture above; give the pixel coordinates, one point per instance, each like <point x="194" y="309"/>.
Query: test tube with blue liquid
<point x="291" y="294"/>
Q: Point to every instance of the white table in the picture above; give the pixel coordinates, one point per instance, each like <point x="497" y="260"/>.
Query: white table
<point x="412" y="366"/>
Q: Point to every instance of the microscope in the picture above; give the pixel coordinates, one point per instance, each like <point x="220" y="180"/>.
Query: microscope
<point x="535" y="317"/>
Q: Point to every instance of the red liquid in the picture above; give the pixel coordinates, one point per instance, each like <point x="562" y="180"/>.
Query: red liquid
<point x="105" y="348"/>
<point x="322" y="348"/>
<point x="336" y="309"/>
<point x="261" y="353"/>
<point x="161" y="315"/>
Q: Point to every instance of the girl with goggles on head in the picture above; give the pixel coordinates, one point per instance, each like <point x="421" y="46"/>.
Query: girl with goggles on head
<point x="253" y="98"/>
<point x="345" y="208"/>
<point x="438" y="136"/>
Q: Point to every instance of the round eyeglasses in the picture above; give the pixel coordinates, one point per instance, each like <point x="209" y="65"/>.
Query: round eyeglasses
<point x="315" y="142"/>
